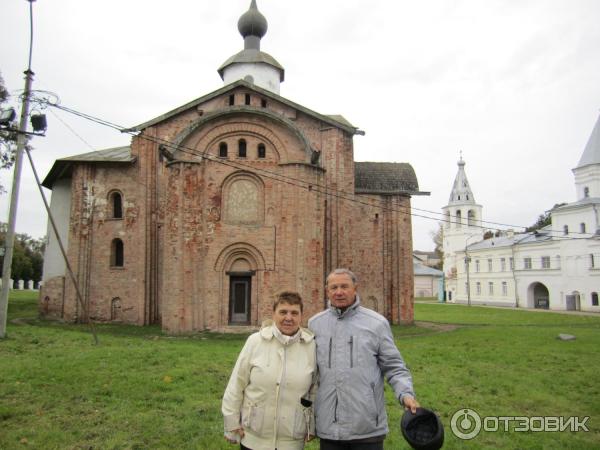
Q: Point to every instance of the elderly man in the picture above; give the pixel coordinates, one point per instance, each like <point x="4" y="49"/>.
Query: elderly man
<point x="355" y="349"/>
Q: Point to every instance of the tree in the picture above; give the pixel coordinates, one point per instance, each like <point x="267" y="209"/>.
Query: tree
<point x="8" y="139"/>
<point x="438" y="240"/>
<point x="543" y="219"/>
<point x="28" y="256"/>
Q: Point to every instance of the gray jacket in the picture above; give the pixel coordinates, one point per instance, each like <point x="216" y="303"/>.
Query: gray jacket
<point x="355" y="349"/>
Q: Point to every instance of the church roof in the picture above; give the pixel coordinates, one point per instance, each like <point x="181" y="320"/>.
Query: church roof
<point x="591" y="153"/>
<point x="334" y="120"/>
<point x="461" y="191"/>
<point x="62" y="167"/>
<point x="385" y="179"/>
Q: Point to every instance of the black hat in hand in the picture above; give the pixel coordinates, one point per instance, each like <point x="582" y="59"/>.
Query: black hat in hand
<point x="422" y="430"/>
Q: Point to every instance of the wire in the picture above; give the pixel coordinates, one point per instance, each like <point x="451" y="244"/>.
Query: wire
<point x="72" y="130"/>
<point x="304" y="184"/>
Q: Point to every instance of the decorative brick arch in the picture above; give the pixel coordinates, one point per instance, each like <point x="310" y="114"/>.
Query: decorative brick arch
<point x="238" y="250"/>
<point x="200" y="136"/>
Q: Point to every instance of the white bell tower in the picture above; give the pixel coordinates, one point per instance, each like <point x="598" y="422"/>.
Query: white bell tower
<point x="462" y="224"/>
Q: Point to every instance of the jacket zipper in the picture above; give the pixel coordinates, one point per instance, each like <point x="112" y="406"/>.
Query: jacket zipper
<point x="335" y="408"/>
<point x="351" y="351"/>
<point x="330" y="341"/>
<point x="375" y="403"/>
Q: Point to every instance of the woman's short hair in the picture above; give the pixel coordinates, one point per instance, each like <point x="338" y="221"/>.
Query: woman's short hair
<point x="288" y="297"/>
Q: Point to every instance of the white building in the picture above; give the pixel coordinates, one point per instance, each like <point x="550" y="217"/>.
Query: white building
<point x="557" y="267"/>
<point x="428" y="281"/>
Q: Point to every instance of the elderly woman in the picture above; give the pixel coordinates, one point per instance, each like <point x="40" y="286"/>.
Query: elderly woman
<point x="268" y="401"/>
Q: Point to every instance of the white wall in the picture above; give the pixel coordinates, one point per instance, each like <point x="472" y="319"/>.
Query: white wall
<point x="60" y="207"/>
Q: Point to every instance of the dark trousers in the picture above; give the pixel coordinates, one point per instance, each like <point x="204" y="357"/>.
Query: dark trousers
<point x="345" y="445"/>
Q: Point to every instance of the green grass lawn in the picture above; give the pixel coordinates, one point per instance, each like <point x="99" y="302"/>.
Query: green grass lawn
<point x="140" y="389"/>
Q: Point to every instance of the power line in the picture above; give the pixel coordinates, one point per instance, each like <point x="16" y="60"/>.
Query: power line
<point x="302" y="183"/>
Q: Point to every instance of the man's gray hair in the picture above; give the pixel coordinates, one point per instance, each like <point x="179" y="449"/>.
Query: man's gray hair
<point x="342" y="272"/>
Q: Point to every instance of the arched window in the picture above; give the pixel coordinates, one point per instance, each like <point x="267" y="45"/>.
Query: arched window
<point x="471" y="218"/>
<point x="223" y="150"/>
<point x="582" y="227"/>
<point x="242" y="148"/>
<point x="458" y="219"/>
<point x="566" y="230"/>
<point x="586" y="192"/>
<point x="262" y="151"/>
<point x="594" y="299"/>
<point x="116" y="253"/>
<point x="116" y="205"/>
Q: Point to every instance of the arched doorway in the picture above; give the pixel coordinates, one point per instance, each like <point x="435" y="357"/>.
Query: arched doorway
<point x="240" y="292"/>
<point x="240" y="265"/>
<point x="540" y="296"/>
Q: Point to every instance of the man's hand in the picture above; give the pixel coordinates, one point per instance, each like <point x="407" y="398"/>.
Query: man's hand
<point x="234" y="436"/>
<point x="410" y="403"/>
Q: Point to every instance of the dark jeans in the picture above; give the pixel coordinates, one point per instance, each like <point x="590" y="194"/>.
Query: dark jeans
<point x="345" y="445"/>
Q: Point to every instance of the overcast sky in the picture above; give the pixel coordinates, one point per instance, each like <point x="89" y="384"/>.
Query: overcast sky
<point x="514" y="85"/>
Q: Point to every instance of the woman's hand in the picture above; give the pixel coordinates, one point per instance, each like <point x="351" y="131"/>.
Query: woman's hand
<point x="234" y="436"/>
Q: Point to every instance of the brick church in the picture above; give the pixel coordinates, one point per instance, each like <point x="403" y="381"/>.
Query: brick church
<point x="220" y="203"/>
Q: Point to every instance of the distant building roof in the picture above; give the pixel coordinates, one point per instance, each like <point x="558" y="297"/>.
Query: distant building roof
<point x="62" y="167"/>
<point x="578" y="204"/>
<point x="591" y="153"/>
<point x="541" y="235"/>
<point x="420" y="269"/>
<point x="385" y="178"/>
<point x="461" y="190"/>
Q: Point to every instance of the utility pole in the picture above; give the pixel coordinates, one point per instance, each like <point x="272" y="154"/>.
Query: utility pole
<point x="14" y="200"/>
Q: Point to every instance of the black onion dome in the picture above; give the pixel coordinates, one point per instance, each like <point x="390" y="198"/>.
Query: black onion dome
<point x="252" y="22"/>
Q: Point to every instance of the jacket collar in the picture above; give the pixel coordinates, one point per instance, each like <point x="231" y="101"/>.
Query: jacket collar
<point x="349" y="311"/>
<point x="269" y="331"/>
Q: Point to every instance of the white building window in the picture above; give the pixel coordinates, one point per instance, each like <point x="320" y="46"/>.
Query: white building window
<point x="478" y="288"/>
<point x="491" y="288"/>
<point x="503" y="264"/>
<point x="504" y="288"/>
<point x="594" y="299"/>
<point x="545" y="262"/>
<point x="490" y="266"/>
<point x="512" y="263"/>
<point x="526" y="263"/>
<point x="566" y="230"/>
<point x="476" y="265"/>
<point x="458" y="218"/>
<point x="592" y="263"/>
<point x="582" y="227"/>
<point x="586" y="192"/>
